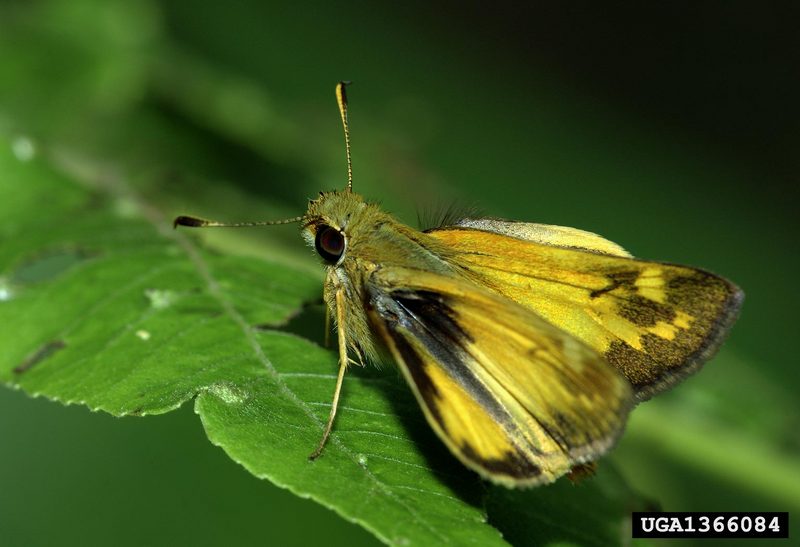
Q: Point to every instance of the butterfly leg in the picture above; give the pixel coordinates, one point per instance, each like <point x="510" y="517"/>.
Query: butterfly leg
<point x="343" y="362"/>
<point x="327" y="327"/>
<point x="359" y="355"/>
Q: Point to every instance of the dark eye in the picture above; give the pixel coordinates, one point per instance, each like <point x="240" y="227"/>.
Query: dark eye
<point x="329" y="243"/>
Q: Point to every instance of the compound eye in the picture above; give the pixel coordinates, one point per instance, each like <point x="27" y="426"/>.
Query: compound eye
<point x="329" y="243"/>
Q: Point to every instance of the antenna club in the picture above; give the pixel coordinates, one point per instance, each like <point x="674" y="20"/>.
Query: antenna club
<point x="188" y="221"/>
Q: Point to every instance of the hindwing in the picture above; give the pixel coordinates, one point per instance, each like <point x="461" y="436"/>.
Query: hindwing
<point x="512" y="396"/>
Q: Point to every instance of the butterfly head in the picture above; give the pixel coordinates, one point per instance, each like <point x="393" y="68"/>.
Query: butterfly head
<point x="329" y="221"/>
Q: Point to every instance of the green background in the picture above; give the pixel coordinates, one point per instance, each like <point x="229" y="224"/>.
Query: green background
<point x="672" y="131"/>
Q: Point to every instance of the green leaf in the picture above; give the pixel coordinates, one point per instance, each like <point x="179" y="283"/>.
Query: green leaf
<point x="111" y="308"/>
<point x="594" y="513"/>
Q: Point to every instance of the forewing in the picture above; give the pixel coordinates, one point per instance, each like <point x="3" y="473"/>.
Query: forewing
<point x="546" y="234"/>
<point x="513" y="397"/>
<point x="655" y="322"/>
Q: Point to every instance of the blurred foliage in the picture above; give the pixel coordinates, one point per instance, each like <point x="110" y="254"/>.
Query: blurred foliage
<point x="671" y="130"/>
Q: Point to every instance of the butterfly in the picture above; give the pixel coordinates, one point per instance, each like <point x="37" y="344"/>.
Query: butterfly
<point x="526" y="345"/>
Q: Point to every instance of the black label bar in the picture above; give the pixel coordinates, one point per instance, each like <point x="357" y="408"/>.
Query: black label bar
<point x="762" y="525"/>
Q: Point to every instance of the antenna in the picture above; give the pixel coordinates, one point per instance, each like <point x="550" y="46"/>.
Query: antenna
<point x="341" y="99"/>
<point x="195" y="222"/>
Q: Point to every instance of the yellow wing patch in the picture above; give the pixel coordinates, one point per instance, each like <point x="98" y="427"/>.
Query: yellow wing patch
<point x="515" y="398"/>
<point x="461" y="421"/>
<point x="655" y="322"/>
